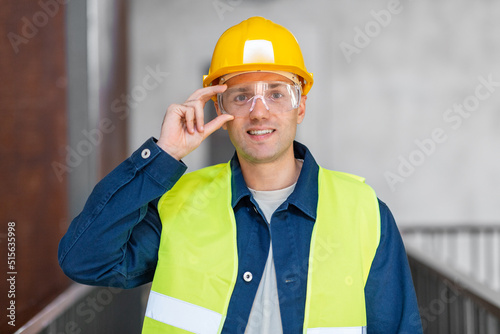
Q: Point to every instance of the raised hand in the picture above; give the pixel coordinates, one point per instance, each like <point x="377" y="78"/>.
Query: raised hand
<point x="183" y="128"/>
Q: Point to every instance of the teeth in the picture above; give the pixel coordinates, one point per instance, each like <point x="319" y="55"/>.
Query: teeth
<point x="260" y="132"/>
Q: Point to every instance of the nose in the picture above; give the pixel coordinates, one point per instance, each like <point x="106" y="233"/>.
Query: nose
<point x="259" y="110"/>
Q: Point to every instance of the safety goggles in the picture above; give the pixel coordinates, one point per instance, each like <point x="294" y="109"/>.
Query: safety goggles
<point x="275" y="96"/>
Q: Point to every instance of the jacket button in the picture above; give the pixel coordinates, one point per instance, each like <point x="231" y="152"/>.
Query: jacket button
<point x="247" y="277"/>
<point x="145" y="153"/>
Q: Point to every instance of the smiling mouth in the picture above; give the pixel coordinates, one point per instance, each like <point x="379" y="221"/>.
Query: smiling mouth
<point x="260" y="132"/>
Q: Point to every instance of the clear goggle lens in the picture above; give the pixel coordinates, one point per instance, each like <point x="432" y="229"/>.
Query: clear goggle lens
<point x="275" y="96"/>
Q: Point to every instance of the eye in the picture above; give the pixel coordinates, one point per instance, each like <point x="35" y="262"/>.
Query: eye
<point x="276" y="94"/>
<point x="240" y="98"/>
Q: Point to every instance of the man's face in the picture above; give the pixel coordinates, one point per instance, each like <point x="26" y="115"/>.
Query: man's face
<point x="261" y="135"/>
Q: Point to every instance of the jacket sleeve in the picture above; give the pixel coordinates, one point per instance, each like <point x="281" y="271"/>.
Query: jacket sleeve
<point x="391" y="303"/>
<point x="114" y="240"/>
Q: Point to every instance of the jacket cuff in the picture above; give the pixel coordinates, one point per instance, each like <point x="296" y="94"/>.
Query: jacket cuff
<point x="158" y="164"/>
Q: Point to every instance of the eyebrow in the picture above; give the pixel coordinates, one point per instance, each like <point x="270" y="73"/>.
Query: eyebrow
<point x="238" y="89"/>
<point x="276" y="84"/>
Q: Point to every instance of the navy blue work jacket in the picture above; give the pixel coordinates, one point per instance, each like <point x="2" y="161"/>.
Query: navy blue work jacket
<point x="114" y="242"/>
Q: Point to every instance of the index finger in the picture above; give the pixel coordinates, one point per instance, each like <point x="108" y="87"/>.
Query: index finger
<point x="206" y="93"/>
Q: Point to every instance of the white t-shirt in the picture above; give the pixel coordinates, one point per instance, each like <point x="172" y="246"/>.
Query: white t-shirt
<point x="265" y="317"/>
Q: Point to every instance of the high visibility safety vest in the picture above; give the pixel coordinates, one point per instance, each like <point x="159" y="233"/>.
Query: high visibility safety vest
<point x="198" y="256"/>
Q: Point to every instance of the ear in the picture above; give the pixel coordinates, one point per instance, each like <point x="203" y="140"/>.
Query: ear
<point x="302" y="109"/>
<point x="217" y="110"/>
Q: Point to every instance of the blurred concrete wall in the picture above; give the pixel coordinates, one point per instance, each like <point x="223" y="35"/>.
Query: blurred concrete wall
<point x="406" y="93"/>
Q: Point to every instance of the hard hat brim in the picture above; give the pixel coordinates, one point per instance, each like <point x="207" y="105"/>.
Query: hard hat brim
<point x="306" y="77"/>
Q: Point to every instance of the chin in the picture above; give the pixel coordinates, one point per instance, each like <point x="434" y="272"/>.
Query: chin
<point x="259" y="156"/>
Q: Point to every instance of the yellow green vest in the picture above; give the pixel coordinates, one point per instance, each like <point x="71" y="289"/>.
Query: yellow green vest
<point x="198" y="256"/>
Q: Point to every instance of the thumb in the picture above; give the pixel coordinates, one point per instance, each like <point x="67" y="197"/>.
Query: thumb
<point x="216" y="123"/>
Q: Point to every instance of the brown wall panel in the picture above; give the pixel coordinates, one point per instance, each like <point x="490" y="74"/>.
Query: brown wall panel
<point x="32" y="137"/>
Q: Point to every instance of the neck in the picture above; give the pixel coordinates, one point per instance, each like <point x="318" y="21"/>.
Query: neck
<point x="273" y="175"/>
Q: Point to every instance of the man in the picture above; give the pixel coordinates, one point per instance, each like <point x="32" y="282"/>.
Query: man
<point x="268" y="243"/>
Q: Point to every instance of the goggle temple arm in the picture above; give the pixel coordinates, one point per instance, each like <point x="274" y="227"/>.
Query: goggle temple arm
<point x="219" y="102"/>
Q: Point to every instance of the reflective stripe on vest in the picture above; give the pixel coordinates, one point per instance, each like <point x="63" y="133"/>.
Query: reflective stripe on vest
<point x="180" y="314"/>
<point x="195" y="277"/>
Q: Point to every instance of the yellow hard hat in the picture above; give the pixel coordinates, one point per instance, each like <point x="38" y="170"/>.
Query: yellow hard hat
<point x="258" y="44"/>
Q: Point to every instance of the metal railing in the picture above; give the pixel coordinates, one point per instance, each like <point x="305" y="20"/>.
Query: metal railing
<point x="456" y="272"/>
<point x="85" y="309"/>
<point x="456" y="276"/>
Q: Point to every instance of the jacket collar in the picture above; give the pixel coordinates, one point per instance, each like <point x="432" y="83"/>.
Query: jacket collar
<point x="305" y="195"/>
